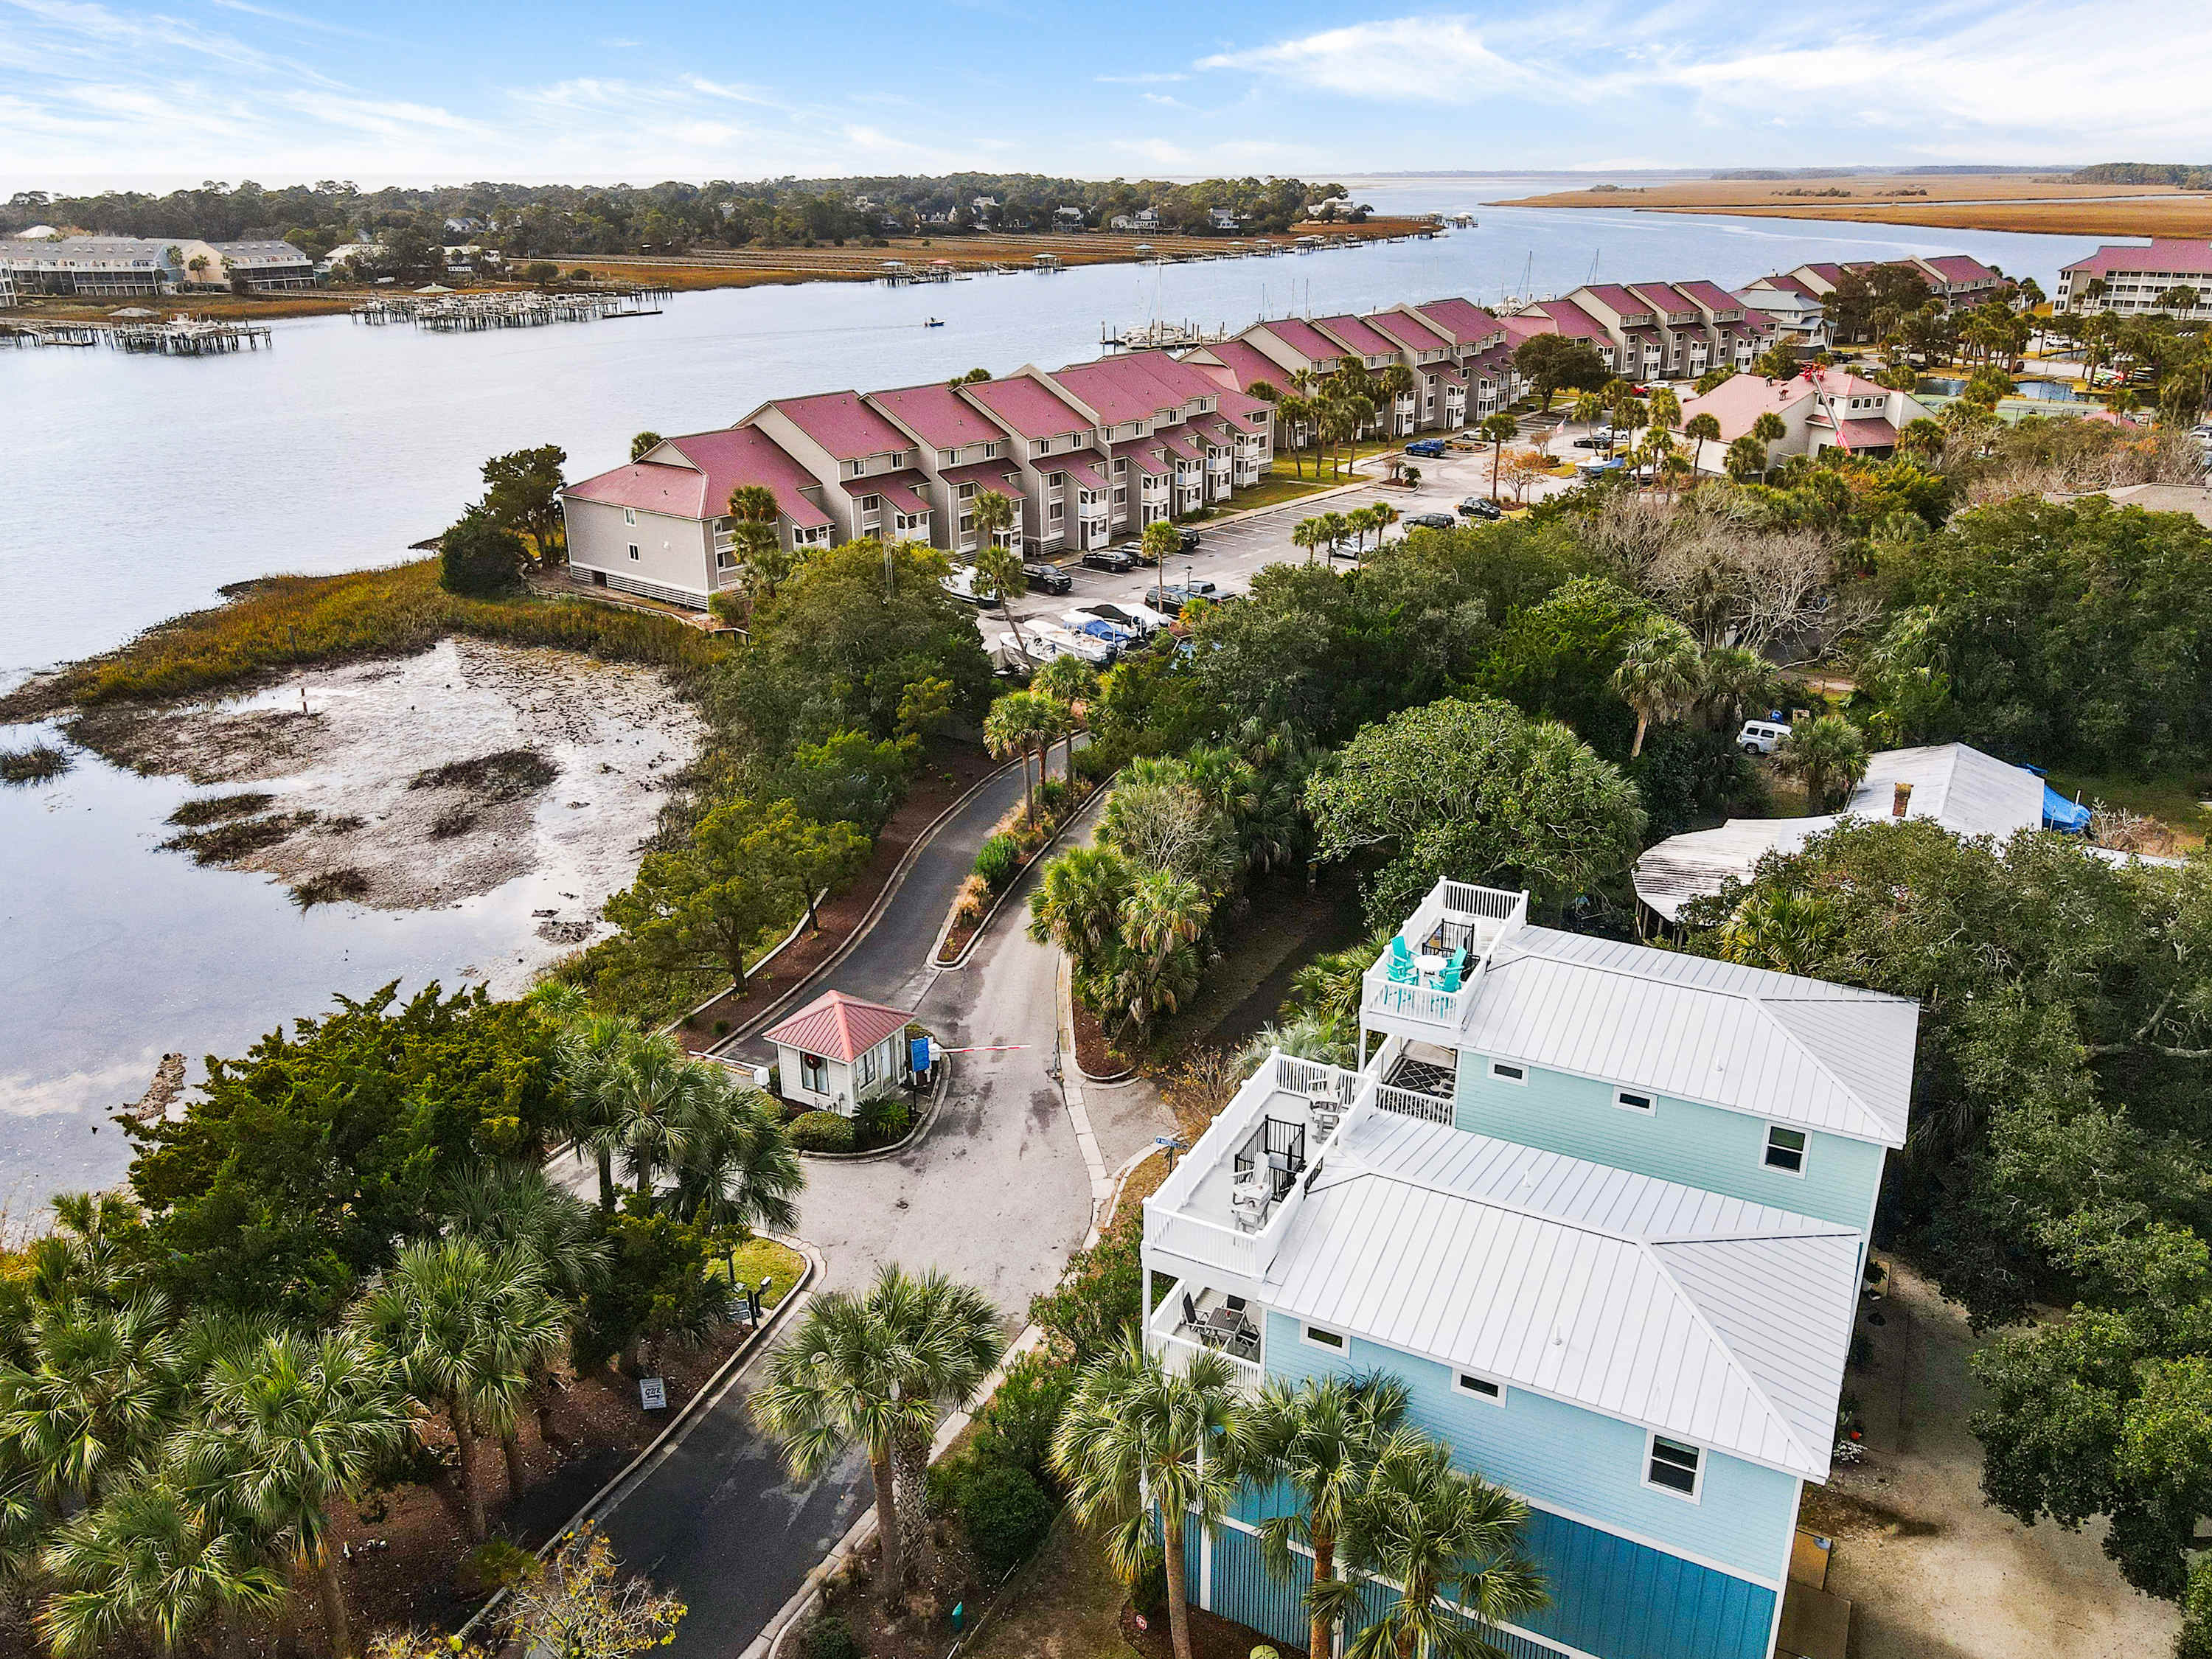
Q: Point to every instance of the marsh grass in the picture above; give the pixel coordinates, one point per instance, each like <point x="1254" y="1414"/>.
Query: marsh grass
<point x="215" y="809"/>
<point x="507" y="775"/>
<point x="287" y="622"/>
<point x="238" y="838"/>
<point x="39" y="763"/>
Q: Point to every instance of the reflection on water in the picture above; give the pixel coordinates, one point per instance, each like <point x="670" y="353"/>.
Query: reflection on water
<point x="139" y="485"/>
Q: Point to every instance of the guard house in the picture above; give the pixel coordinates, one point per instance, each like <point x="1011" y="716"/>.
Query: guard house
<point x="838" y="1051"/>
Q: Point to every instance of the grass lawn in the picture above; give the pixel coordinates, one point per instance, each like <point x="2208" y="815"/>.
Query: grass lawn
<point x="1274" y="491"/>
<point x="762" y="1258"/>
<point x="2171" y="798"/>
<point x="1065" y="1605"/>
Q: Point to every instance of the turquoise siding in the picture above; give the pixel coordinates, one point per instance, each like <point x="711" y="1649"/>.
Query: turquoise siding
<point x="1609" y="1598"/>
<point x="1701" y="1146"/>
<point x="1570" y="1458"/>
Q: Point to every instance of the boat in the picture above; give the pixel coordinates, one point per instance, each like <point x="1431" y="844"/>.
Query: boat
<point x="934" y="322"/>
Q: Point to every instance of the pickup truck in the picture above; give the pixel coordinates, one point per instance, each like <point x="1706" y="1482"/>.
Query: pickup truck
<point x="1048" y="578"/>
<point x="1430" y="448"/>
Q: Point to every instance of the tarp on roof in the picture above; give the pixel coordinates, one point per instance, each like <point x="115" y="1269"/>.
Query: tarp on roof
<point x="2060" y="813"/>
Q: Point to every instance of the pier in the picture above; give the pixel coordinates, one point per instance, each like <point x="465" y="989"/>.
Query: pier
<point x="1157" y="336"/>
<point x="470" y="314"/>
<point x="49" y="334"/>
<point x="190" y="336"/>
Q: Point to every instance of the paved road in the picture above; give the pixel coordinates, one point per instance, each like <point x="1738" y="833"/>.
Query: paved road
<point x="996" y="1194"/>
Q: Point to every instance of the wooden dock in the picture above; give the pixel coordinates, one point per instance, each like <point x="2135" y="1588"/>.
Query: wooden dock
<point x="473" y="314"/>
<point x="190" y="336"/>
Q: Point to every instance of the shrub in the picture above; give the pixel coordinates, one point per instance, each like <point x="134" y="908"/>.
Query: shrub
<point x="997" y="859"/>
<point x="497" y="1563"/>
<point x="1093" y="763"/>
<point x="1002" y="1508"/>
<point x="479" y="557"/>
<point x="830" y="1638"/>
<point x="729" y="605"/>
<point x="36" y="764"/>
<point x="974" y="899"/>
<point x="1052" y="798"/>
<point x="1098" y="1298"/>
<point x="822" y="1132"/>
<point x="880" y="1121"/>
<point x="1017" y="1426"/>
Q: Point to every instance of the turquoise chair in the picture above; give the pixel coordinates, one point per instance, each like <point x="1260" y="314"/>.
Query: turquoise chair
<point x="1448" y="981"/>
<point x="1457" y="963"/>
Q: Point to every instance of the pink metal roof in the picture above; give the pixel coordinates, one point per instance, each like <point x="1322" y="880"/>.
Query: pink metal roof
<point x="838" y="1027"/>
<point x="1788" y="285"/>
<point x="1618" y="298"/>
<point x="1447" y="373"/>
<point x="842" y="424"/>
<point x="1462" y="321"/>
<point x="1236" y="404"/>
<point x="1028" y="407"/>
<point x="1568" y="318"/>
<point x="1663" y="297"/>
<point x="1867" y="434"/>
<point x="942" y="418"/>
<point x="1180" y="443"/>
<point x="1409" y="331"/>
<point x="1304" y="338"/>
<point x="1242" y="364"/>
<point x="1741" y="399"/>
<point x="2186" y="258"/>
<point x="1002" y="476"/>
<point x="1086" y="475"/>
<point x="1962" y="268"/>
<point x="1358" y="336"/>
<point x="903" y="490"/>
<point x="1143" y="453"/>
<point x="1712" y="296"/>
<point x="698" y="486"/>
<point x="1136" y="386"/>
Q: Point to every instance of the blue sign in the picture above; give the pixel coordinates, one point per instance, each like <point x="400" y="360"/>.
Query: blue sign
<point x="918" y="1050"/>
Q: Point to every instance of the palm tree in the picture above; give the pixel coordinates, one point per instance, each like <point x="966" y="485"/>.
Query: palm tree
<point x="993" y="512"/>
<point x="1294" y="411"/>
<point x="1069" y="682"/>
<point x="758" y="540"/>
<point x="1589" y="409"/>
<point x="1159" y="544"/>
<point x="1306" y="534"/>
<point x="739" y="1168"/>
<point x="465" y="1325"/>
<point x="1161" y="914"/>
<point x="291" y="1427"/>
<point x="1138" y="1440"/>
<point x="1660" y="674"/>
<point x="1704" y="428"/>
<point x="950" y="1334"/>
<point x="1320" y="1440"/>
<point x="865" y="1370"/>
<point x="652" y="1092"/>
<point x="1499" y="429"/>
<point x="98" y="1389"/>
<point x="154" y="1562"/>
<point x="1434" y="1533"/>
<point x="1021" y="723"/>
<point x="1335" y="530"/>
<point x="1392" y="383"/>
<point x="1768" y="429"/>
<point x="589" y="1059"/>
<point x="1078" y="903"/>
<point x="1384" y="515"/>
<point x="1828" y="752"/>
<point x="643" y="444"/>
<point x="514" y="1204"/>
<point x="999" y="573"/>
<point x="1736" y="678"/>
<point x="1666" y="409"/>
<point x="1745" y="458"/>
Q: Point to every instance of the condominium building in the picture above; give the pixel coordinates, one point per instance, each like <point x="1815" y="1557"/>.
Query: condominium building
<point x="1798" y="312"/>
<point x="1672" y="331"/>
<point x="1604" y="1210"/>
<point x="1819" y="409"/>
<point x="109" y="267"/>
<point x="2134" y="278"/>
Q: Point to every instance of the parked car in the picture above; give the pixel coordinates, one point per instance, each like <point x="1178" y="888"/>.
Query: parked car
<point x="1187" y="539"/>
<point x="1480" y="507"/>
<point x="1048" y="578"/>
<point x="1431" y="521"/>
<point x="1199" y="587"/>
<point x="961" y="584"/>
<point x="1600" y="438"/>
<point x="1760" y="737"/>
<point x="1429" y="448"/>
<point x="1110" y="558"/>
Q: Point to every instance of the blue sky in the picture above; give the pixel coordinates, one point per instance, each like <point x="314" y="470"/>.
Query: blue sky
<point x="99" y="92"/>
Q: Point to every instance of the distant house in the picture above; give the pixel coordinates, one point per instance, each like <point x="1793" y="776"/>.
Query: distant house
<point x="1819" y="409"/>
<point x="1067" y="218"/>
<point x="265" y="266"/>
<point x="838" y="1052"/>
<point x="1144" y="219"/>
<point x="2134" y="278"/>
<point x="1222" y="219"/>
<point x="1799" y="312"/>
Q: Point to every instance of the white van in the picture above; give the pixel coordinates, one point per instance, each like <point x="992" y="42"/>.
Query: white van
<point x="1760" y="737"/>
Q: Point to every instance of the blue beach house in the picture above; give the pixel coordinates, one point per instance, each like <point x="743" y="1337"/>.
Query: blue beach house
<point x="1604" y="1209"/>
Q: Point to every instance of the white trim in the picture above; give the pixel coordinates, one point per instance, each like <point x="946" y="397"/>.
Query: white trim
<point x="1643" y="1101"/>
<point x="1341" y="1347"/>
<point x="1697" y="1491"/>
<point x="1804" y="1152"/>
<point x="1491" y="1393"/>
<point x="1503" y="1071"/>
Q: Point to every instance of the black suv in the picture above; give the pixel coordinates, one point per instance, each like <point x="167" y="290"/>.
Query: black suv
<point x="1048" y="578"/>
<point x="1479" y="507"/>
<point x="1110" y="558"/>
<point x="1186" y="540"/>
<point x="1431" y="521"/>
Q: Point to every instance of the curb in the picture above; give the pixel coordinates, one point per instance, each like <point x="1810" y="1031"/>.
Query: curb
<point x="768" y="1015"/>
<point x="1078" y="1114"/>
<point x="1007" y="893"/>
<point x="915" y="1131"/>
<point x="775" y="950"/>
<point x="673" y="1432"/>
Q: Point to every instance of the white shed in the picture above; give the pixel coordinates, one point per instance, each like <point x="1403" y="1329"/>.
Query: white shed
<point x="838" y="1051"/>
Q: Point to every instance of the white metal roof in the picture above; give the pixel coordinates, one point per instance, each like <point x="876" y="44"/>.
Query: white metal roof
<point x="1691" y="866"/>
<point x="1830" y="1057"/>
<point x="1713" y="1320"/>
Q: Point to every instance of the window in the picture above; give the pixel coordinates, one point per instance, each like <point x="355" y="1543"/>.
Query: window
<point x="633" y="550"/>
<point x="1673" y="1466"/>
<point x="1629" y="1100"/>
<point x="1481" y="1387"/>
<point x="1785" y="1150"/>
<point x="868" y="1066"/>
<point x="1120" y="466"/>
<point x="1501" y="1072"/>
<point x="855" y="469"/>
<point x="991" y="452"/>
<point x="726" y="559"/>
<point x="967" y="492"/>
<point x="630" y="515"/>
<point x="967" y="524"/>
<point x="1042" y="447"/>
<point x="1057" y="512"/>
<point x="1333" y="1340"/>
<point x="813" y="1075"/>
<point x="948" y="458"/>
<point x="871" y="503"/>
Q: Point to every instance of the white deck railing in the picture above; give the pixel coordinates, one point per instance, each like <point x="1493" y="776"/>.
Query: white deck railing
<point x="1468" y="917"/>
<point x="1406" y="1103"/>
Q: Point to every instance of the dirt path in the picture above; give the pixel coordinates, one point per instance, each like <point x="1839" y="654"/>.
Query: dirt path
<point x="1931" y="1570"/>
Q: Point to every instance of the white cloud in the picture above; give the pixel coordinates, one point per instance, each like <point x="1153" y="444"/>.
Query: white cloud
<point x="1151" y="80"/>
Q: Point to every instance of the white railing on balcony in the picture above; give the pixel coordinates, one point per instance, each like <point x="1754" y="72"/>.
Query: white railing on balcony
<point x="1177" y="1353"/>
<point x="1456" y="916"/>
<point x="1406" y="1103"/>
<point x="1406" y="999"/>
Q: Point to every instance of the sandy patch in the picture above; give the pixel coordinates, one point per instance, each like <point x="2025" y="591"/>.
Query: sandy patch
<point x="427" y="781"/>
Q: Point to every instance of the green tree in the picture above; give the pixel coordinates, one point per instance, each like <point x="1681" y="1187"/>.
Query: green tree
<point x="290" y="1427"/>
<point x="1435" y="1534"/>
<point x="1660" y="674"/>
<point x="479" y="557"/>
<point x="523" y="493"/>
<point x="1745" y="459"/>
<point x="1478" y="791"/>
<point x="1022" y="723"/>
<point x="1552" y="363"/>
<point x="466" y="1325"/>
<point x="643" y="444"/>
<point x="1077" y="905"/>
<point x="1703" y="429"/>
<point x="999" y="575"/>
<point x="739" y="1169"/>
<point x="1144" y="1453"/>
<point x="1321" y="1441"/>
<point x="1071" y="683"/>
<point x="592" y="1054"/>
<point x="748" y="870"/>
<point x="1829" y="753"/>
<point x="1498" y="430"/>
<point x="756" y="539"/>
<point x="1162" y="917"/>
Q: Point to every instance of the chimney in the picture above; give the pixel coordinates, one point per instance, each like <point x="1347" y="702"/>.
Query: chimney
<point x="1900" y="798"/>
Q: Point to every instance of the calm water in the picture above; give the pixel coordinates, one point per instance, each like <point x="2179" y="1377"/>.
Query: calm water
<point x="136" y="487"/>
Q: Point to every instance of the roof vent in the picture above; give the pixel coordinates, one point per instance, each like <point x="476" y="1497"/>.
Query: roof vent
<point x="1900" y="797"/>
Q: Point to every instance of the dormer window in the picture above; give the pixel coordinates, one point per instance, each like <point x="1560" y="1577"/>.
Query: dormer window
<point x="856" y="468"/>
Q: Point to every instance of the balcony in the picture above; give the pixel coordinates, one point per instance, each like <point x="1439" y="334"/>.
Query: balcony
<point x="1190" y="1321"/>
<point x="1426" y="981"/>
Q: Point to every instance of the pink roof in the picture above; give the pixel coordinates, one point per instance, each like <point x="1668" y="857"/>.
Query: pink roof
<point x="1242" y="365"/>
<point x="1790" y="285"/>
<point x="1180" y="443"/>
<point x="1711" y="295"/>
<point x="1741" y="399"/>
<point x="1447" y="373"/>
<point x="842" y="424"/>
<point x="1568" y="318"/>
<point x="1357" y="336"/>
<point x="698" y="485"/>
<point x="1462" y="321"/>
<point x="1086" y="475"/>
<point x="1236" y="403"/>
<point x="1002" y="476"/>
<point x="1136" y="386"/>
<point x="1027" y="406"/>
<point x="903" y="490"/>
<point x="939" y="416"/>
<point x="1663" y="297"/>
<point x="1301" y="337"/>
<point x="1962" y="268"/>
<point x="1618" y="298"/>
<point x="1143" y="453"/>
<point x="1409" y="331"/>
<point x="838" y="1027"/>
<point x="2187" y="258"/>
<point x="1867" y="434"/>
<point x="1828" y="273"/>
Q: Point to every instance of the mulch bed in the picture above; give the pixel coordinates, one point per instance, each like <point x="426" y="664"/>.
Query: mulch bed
<point x="949" y="1579"/>
<point x="949" y="770"/>
<point x="957" y="938"/>
<point x="405" y="1549"/>
<point x="1211" y="1637"/>
<point x="1097" y="1055"/>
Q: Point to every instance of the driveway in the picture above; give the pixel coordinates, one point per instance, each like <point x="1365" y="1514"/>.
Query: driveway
<point x="996" y="1194"/>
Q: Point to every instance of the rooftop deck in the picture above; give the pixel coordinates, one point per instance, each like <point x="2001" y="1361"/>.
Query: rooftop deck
<point x="1425" y="982"/>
